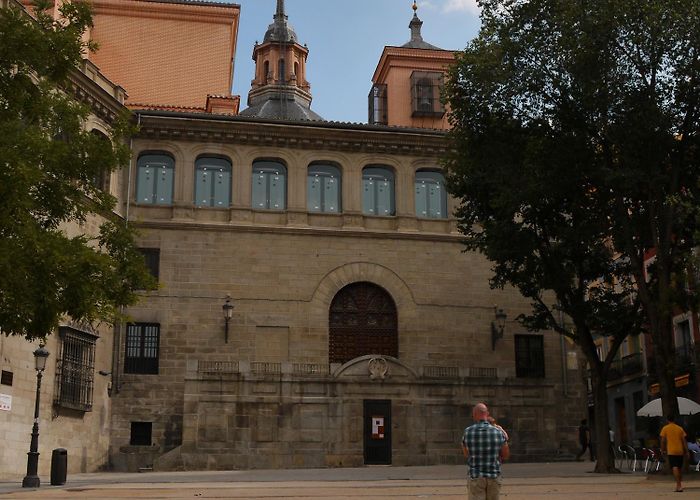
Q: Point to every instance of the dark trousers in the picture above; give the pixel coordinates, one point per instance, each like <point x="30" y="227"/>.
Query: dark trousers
<point x="585" y="446"/>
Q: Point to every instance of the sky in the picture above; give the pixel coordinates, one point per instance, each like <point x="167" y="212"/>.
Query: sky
<point x="345" y="40"/>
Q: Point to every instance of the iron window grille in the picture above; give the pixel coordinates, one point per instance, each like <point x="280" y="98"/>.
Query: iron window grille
<point x="142" y="348"/>
<point x="377" y="105"/>
<point x="529" y="356"/>
<point x="426" y="88"/>
<point x="75" y="369"/>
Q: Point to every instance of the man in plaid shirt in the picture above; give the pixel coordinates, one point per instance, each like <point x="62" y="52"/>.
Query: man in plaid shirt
<point x="485" y="447"/>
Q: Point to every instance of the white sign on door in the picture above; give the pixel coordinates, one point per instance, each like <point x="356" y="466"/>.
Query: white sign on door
<point x="5" y="402"/>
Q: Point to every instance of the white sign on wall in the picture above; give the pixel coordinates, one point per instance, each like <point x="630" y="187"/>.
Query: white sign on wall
<point x="5" y="402"/>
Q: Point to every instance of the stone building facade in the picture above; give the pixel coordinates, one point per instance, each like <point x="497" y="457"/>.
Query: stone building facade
<point x="360" y="333"/>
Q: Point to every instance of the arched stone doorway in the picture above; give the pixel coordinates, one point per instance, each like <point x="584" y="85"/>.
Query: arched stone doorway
<point x="362" y="320"/>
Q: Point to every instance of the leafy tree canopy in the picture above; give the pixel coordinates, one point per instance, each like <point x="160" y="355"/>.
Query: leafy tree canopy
<point x="52" y="264"/>
<point x="576" y="154"/>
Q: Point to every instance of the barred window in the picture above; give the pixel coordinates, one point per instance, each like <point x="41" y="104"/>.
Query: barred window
<point x="529" y="356"/>
<point x="425" y="94"/>
<point x="142" y="346"/>
<point x="377" y="105"/>
<point x="75" y="369"/>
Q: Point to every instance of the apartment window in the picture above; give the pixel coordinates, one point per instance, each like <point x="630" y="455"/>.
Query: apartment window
<point x="101" y="179"/>
<point x="269" y="185"/>
<point x="212" y="182"/>
<point x="75" y="369"/>
<point x="6" y="378"/>
<point x="425" y="94"/>
<point x="529" y="356"/>
<point x="682" y="334"/>
<point x="637" y="400"/>
<point x="151" y="258"/>
<point x="323" y="188"/>
<point x="155" y="179"/>
<point x="378" y="191"/>
<point x="377" y="105"/>
<point x="142" y="346"/>
<point x="141" y="434"/>
<point x="431" y="196"/>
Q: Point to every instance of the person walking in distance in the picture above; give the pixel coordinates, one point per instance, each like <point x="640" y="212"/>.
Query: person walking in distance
<point x="485" y="447"/>
<point x="673" y="446"/>
<point x="584" y="439"/>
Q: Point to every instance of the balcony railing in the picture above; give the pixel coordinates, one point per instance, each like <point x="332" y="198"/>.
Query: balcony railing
<point x="626" y="367"/>
<point x="685" y="358"/>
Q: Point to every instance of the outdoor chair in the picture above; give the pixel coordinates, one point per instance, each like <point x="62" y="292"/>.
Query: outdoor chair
<point x="650" y="458"/>
<point x="696" y="458"/>
<point x="629" y="455"/>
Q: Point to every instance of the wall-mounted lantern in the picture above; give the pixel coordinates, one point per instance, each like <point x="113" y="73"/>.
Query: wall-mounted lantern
<point x="497" y="326"/>
<point x="228" y="314"/>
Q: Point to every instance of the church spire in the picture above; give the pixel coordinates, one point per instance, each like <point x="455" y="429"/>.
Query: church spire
<point x="416" y="41"/>
<point x="415" y="25"/>
<point x="280" y="10"/>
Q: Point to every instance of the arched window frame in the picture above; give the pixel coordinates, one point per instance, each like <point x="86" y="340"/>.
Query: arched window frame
<point x="430" y="194"/>
<point x="324" y="188"/>
<point x="212" y="181"/>
<point x="155" y="178"/>
<point x="281" y="70"/>
<point x="101" y="179"/>
<point x="378" y="191"/>
<point x="269" y="185"/>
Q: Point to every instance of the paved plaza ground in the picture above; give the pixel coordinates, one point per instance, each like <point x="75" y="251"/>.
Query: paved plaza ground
<point x="547" y="481"/>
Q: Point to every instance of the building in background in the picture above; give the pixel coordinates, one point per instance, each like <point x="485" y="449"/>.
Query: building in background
<point x="75" y="411"/>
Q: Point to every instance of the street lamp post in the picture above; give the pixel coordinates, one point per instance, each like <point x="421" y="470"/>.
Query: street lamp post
<point x="31" y="480"/>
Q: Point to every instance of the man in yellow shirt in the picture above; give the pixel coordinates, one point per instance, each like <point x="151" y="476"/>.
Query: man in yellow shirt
<point x="673" y="445"/>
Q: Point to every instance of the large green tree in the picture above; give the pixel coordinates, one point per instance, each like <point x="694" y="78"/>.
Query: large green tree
<point x="575" y="154"/>
<point x="48" y="167"/>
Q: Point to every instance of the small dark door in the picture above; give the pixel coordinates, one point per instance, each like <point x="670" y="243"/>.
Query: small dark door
<point x="377" y="417"/>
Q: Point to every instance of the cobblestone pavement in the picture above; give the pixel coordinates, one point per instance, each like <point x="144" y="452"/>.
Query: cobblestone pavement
<point x="569" y="481"/>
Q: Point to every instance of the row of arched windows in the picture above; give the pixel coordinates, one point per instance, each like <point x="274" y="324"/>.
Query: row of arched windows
<point x="213" y="182"/>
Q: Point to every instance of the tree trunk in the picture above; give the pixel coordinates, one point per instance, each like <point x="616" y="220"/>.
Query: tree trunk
<point x="665" y="359"/>
<point x="605" y="460"/>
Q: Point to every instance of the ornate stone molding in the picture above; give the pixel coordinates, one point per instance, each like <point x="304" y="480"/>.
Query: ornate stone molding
<point x="378" y="368"/>
<point x="201" y="127"/>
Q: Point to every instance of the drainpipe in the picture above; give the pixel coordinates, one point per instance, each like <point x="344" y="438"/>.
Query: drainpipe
<point x="119" y="331"/>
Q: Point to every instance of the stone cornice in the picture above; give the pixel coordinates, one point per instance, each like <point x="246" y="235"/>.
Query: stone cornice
<point x="301" y="135"/>
<point x="90" y="87"/>
<point x="210" y="12"/>
<point x="176" y="225"/>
